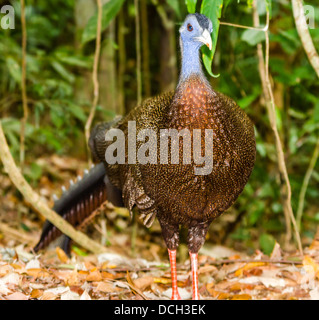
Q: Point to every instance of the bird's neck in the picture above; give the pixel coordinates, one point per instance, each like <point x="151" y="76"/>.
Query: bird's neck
<point x="191" y="64"/>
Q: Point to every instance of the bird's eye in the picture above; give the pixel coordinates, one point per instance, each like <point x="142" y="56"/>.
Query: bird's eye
<point x="189" y="27"/>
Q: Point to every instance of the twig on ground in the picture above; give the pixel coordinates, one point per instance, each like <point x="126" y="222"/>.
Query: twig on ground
<point x="16" y="234"/>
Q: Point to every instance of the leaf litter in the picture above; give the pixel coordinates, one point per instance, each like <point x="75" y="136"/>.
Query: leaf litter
<point x="117" y="275"/>
<point x="53" y="276"/>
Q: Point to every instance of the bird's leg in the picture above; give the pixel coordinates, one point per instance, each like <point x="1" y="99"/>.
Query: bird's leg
<point x="172" y="260"/>
<point x="170" y="234"/>
<point x="194" y="264"/>
<point x="196" y="238"/>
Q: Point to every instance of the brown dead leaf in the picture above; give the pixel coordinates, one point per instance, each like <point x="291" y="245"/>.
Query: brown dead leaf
<point x="235" y="257"/>
<point x="248" y="266"/>
<point x="38" y="273"/>
<point x="17" y="296"/>
<point x="5" y="269"/>
<point x="237" y="286"/>
<point x="224" y="296"/>
<point x="61" y="255"/>
<point x="210" y="289"/>
<point x="144" y="282"/>
<point x="89" y="265"/>
<point x="253" y="272"/>
<point x="16" y="266"/>
<point x="72" y="278"/>
<point x="276" y="252"/>
<point x="310" y="265"/>
<point x="207" y="269"/>
<point x="94" y="275"/>
<point x="82" y="274"/>
<point x="107" y="275"/>
<point x="162" y="280"/>
<point x="33" y="272"/>
<point x="47" y="295"/>
<point x="241" y="297"/>
<point x="134" y="289"/>
<point x="36" y="293"/>
<point x="105" y="287"/>
<point x="77" y="289"/>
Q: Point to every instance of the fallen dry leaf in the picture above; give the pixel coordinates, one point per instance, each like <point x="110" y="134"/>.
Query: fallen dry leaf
<point x="17" y="296"/>
<point x="240" y="286"/>
<point x="4" y="288"/>
<point x="11" y="278"/>
<point x="241" y="297"/>
<point x="276" y="251"/>
<point x="250" y="265"/>
<point x="310" y="266"/>
<point x="143" y="283"/>
<point x="207" y="269"/>
<point x="85" y="296"/>
<point x="36" y="293"/>
<point x="105" y="287"/>
<point x="94" y="275"/>
<point x="48" y="296"/>
<point x="72" y="278"/>
<point x="61" y="255"/>
<point x="5" y="269"/>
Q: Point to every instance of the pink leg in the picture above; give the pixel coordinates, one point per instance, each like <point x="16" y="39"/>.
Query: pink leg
<point x="194" y="264"/>
<point x="172" y="260"/>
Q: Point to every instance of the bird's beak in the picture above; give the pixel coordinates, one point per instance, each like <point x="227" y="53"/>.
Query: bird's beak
<point x="206" y="39"/>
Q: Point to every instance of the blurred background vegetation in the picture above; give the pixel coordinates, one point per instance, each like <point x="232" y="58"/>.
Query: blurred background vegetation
<point x="60" y="52"/>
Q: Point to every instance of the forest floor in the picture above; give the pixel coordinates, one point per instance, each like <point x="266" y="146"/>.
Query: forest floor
<point x="136" y="264"/>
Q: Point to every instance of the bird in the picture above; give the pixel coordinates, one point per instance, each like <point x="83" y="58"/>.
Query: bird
<point x="189" y="192"/>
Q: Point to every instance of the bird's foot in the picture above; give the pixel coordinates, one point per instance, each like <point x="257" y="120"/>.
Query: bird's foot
<point x="176" y="296"/>
<point x="196" y="296"/>
<point x="194" y="264"/>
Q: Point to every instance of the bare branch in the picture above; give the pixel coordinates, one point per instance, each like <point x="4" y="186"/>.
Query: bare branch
<point x="95" y="76"/>
<point x="23" y="85"/>
<point x="304" y="34"/>
<point x="270" y="102"/>
<point x="305" y="183"/>
<point x="138" y="53"/>
<point x="244" y="27"/>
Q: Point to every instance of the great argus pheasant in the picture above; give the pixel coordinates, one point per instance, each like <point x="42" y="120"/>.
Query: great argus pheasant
<point x="176" y="192"/>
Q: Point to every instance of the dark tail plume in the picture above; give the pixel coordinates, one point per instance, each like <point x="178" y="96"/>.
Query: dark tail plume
<point x="78" y="203"/>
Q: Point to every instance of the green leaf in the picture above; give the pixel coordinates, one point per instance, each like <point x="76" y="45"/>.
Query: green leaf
<point x="191" y="5"/>
<point x="252" y="37"/>
<point x="246" y="101"/>
<point x="175" y="5"/>
<point x="34" y="172"/>
<point x="110" y="10"/>
<point x="77" y="112"/>
<point x="316" y="112"/>
<point x="64" y="73"/>
<point x="212" y="10"/>
<point x="267" y="243"/>
<point x="14" y="69"/>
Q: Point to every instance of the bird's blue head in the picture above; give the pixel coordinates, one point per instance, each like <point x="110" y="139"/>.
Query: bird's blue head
<point x="194" y="32"/>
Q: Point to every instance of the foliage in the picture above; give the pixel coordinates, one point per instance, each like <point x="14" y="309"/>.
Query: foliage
<point x="110" y="9"/>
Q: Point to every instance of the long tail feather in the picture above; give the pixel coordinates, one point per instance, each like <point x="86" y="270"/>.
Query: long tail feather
<point x="80" y="201"/>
